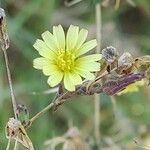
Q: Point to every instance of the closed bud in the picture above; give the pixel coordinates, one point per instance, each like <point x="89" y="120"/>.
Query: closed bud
<point x="23" y="114"/>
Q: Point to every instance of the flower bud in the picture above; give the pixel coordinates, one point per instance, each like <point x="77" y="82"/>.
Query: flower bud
<point x="23" y="114"/>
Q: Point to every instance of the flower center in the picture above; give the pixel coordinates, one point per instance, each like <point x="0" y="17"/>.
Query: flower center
<point x="65" y="60"/>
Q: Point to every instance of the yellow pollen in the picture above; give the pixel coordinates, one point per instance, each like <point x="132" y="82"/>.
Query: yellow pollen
<point x="65" y="60"/>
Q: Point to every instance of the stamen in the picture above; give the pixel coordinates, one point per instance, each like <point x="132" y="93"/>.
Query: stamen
<point x="65" y="60"/>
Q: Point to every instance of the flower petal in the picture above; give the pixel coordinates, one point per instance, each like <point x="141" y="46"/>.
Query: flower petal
<point x="68" y="83"/>
<point x="92" y="66"/>
<point x="55" y="79"/>
<point x="49" y="40"/>
<point x="86" y="47"/>
<point x="85" y="74"/>
<point x="81" y="38"/>
<point x="59" y="34"/>
<point x="72" y="37"/>
<point x="50" y="69"/>
<point x="43" y="49"/>
<point x="75" y="78"/>
<point x="90" y="58"/>
<point x="40" y="62"/>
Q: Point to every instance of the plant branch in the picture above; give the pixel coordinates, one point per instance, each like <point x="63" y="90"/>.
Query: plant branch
<point x="41" y="113"/>
<point x="10" y="84"/>
<point x="107" y="88"/>
<point x="55" y="102"/>
<point x="4" y="44"/>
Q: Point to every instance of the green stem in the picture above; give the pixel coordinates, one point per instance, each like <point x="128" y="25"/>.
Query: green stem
<point x="96" y="96"/>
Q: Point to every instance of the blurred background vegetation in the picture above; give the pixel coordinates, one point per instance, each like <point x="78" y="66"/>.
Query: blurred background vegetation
<point x="127" y="29"/>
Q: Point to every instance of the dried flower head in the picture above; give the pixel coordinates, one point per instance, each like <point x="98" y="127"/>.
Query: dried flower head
<point x="15" y="130"/>
<point x="125" y="63"/>
<point x="12" y="127"/>
<point x="62" y="57"/>
<point x="110" y="54"/>
<point x="126" y="60"/>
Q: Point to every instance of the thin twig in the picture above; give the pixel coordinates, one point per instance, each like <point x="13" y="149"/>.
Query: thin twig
<point x="8" y="144"/>
<point x="4" y="44"/>
<point x="96" y="96"/>
<point x="10" y="84"/>
<point x="41" y="112"/>
<point x="16" y="144"/>
<point x="50" y="106"/>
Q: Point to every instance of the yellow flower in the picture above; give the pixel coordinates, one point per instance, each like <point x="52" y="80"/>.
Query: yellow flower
<point x="62" y="57"/>
<point x="134" y="87"/>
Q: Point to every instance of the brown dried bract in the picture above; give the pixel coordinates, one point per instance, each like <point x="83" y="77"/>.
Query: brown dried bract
<point x="143" y="64"/>
<point x="125" y="63"/>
